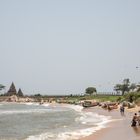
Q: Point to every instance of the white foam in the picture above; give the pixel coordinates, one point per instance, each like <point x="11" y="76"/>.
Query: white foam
<point x="8" y="112"/>
<point x="77" y="108"/>
<point x="46" y="105"/>
<point x="44" y="136"/>
<point x="91" y="118"/>
<point x="30" y="103"/>
<point x="93" y="121"/>
<point x="66" y="135"/>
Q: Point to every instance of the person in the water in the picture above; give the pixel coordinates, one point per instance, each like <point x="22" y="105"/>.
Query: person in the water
<point x="134" y="120"/>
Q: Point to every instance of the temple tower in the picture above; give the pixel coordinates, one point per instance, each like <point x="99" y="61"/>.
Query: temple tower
<point x="12" y="90"/>
<point x="20" y="93"/>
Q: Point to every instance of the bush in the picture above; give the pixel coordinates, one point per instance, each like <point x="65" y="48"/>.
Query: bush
<point x="119" y="99"/>
<point x="132" y="97"/>
<point x="137" y="101"/>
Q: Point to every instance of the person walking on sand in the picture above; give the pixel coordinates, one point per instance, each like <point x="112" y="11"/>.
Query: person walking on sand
<point x="122" y="110"/>
<point x="134" y="120"/>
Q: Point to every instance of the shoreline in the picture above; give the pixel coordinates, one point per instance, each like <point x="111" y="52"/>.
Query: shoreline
<point x="119" y="128"/>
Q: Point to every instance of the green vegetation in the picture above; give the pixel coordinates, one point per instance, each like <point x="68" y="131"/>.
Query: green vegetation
<point x="126" y="87"/>
<point x="99" y="98"/>
<point x="132" y="97"/>
<point x="2" y="87"/>
<point x="90" y="90"/>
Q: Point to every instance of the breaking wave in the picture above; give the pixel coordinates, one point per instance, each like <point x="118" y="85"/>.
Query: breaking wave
<point x="91" y="120"/>
<point x="23" y="111"/>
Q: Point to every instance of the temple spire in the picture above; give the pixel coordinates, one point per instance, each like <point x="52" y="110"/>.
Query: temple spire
<point x="12" y="90"/>
<point x="20" y="93"/>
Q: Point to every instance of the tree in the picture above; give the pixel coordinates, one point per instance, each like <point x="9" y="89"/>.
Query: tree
<point x="132" y="87"/>
<point x="2" y="87"/>
<point x="117" y="87"/>
<point x="90" y="90"/>
<point x="38" y="95"/>
<point x="126" y="81"/>
<point x="124" y="87"/>
<point x="138" y="88"/>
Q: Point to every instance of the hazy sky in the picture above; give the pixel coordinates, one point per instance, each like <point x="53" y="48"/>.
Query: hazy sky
<point x="64" y="46"/>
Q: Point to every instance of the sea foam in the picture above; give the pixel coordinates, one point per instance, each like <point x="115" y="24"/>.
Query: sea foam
<point x="70" y="135"/>
<point x="91" y="120"/>
<point x="23" y="111"/>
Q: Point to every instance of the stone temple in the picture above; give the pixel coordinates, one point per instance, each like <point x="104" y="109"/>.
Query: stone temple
<point x="12" y="90"/>
<point x="20" y="93"/>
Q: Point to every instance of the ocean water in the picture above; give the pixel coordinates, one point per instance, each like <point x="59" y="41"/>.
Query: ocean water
<point x="32" y="121"/>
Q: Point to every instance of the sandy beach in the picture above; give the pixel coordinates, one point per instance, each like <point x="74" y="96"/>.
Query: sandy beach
<point x="120" y="128"/>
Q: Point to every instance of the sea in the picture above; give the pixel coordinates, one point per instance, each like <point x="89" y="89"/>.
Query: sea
<point x="31" y="121"/>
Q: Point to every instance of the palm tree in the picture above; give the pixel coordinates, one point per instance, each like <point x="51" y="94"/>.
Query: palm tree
<point x="124" y="87"/>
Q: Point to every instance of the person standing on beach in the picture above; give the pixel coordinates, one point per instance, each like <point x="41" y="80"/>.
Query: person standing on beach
<point x="122" y="110"/>
<point x="134" y="120"/>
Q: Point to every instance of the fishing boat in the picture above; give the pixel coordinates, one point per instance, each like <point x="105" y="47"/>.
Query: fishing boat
<point x="89" y="103"/>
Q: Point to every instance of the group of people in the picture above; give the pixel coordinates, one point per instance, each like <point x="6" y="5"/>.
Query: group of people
<point x="136" y="119"/>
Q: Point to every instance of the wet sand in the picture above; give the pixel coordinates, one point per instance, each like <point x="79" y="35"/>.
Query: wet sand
<point x="119" y="129"/>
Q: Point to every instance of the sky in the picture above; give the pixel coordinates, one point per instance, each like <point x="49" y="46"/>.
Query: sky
<point x="65" y="46"/>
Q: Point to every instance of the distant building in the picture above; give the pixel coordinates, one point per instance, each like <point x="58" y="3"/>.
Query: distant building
<point x="12" y="90"/>
<point x="20" y="93"/>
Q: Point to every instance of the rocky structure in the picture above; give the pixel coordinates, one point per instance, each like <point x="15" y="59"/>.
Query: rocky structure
<point x="13" y="98"/>
<point x="12" y="90"/>
<point x="20" y="93"/>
